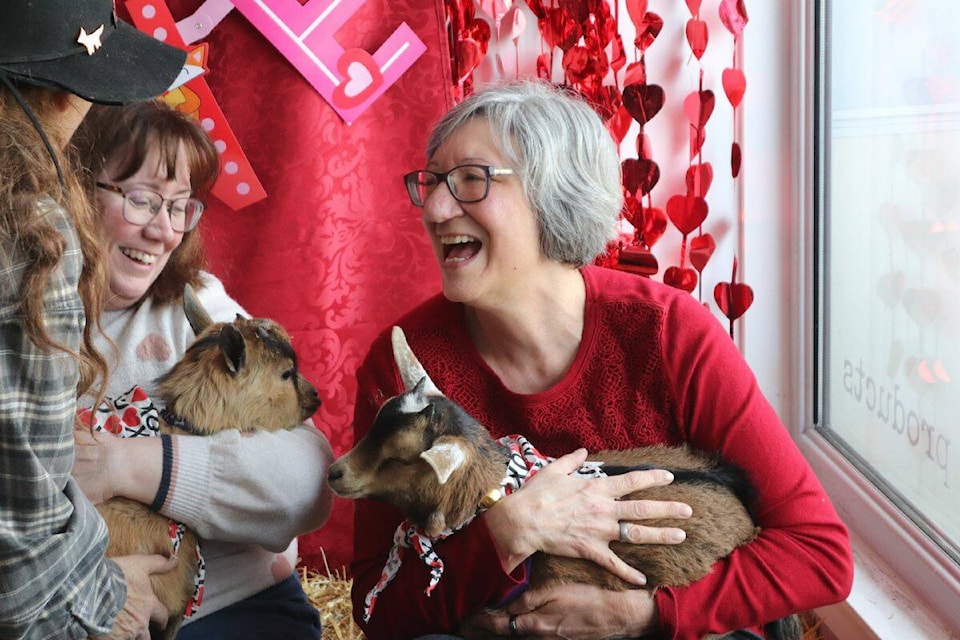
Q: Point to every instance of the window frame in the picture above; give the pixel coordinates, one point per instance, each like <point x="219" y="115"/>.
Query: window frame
<point x="906" y="585"/>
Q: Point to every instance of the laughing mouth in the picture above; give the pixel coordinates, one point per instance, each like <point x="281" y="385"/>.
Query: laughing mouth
<point x="139" y="256"/>
<point x="459" y="248"/>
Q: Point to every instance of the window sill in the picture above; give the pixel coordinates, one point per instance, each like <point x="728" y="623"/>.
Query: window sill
<point x="880" y="606"/>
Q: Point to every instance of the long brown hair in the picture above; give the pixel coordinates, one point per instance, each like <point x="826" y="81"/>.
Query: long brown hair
<point x="28" y="173"/>
<point x="119" y="138"/>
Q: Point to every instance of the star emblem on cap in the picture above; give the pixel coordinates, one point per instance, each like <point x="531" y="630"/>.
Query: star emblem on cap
<point x="90" y="40"/>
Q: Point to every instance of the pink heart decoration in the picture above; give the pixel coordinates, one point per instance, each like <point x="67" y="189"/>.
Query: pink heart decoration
<point x="699" y="177"/>
<point x="698" y="105"/>
<point x="361" y="78"/>
<point x="685" y="279"/>
<point x="733" y="15"/>
<point x="701" y="248"/>
<point x="643" y="101"/>
<point x="687" y="212"/>
<point x="734" y="85"/>
<point x="697" y="36"/>
<point x="154" y="348"/>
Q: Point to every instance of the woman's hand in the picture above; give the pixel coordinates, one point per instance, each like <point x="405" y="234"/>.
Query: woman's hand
<point x="105" y="466"/>
<point x="141" y="606"/>
<point x="573" y="612"/>
<point x="564" y="515"/>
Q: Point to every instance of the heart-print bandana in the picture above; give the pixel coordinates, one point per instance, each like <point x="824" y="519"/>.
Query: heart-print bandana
<point x="525" y="461"/>
<point x="133" y="415"/>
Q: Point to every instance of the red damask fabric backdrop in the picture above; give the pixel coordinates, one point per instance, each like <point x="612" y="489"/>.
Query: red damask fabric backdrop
<point x="335" y="252"/>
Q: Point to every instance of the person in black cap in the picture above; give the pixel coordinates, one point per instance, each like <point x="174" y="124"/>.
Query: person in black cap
<point x="56" y="57"/>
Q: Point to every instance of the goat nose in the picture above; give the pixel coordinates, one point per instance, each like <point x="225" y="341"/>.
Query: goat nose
<point x="335" y="474"/>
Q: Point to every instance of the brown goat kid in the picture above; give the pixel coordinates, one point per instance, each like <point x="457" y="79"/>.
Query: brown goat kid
<point x="447" y="463"/>
<point x="236" y="375"/>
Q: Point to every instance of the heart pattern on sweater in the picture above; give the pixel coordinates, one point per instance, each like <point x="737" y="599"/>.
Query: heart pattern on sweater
<point x="154" y="348"/>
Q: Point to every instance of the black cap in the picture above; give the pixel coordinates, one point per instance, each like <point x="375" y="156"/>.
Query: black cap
<point x="82" y="47"/>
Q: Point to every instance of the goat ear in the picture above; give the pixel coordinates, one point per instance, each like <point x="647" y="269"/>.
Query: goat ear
<point x="411" y="371"/>
<point x="233" y="348"/>
<point x="197" y="316"/>
<point x="444" y="458"/>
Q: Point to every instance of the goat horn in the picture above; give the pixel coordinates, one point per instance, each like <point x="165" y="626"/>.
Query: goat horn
<point x="411" y="371"/>
<point x="197" y="316"/>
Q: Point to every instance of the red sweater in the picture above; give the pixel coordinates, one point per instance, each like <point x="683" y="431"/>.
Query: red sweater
<point x="654" y="367"/>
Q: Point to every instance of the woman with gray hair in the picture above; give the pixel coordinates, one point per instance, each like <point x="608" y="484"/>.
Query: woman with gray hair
<point x="520" y="194"/>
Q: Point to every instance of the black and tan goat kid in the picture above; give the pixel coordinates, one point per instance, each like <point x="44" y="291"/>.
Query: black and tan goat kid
<point x="452" y="464"/>
<point x="236" y="375"/>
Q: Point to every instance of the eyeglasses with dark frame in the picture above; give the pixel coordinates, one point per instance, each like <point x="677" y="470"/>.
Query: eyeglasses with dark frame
<point x="467" y="182"/>
<point x="140" y="207"/>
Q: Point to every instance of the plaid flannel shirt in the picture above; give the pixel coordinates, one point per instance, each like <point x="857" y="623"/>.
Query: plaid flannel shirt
<point x="54" y="580"/>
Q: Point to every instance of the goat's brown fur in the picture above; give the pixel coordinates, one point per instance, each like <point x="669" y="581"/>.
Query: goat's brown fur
<point x="395" y="463"/>
<point x="240" y="375"/>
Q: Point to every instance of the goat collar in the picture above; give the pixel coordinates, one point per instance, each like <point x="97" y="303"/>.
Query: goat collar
<point x="525" y="461"/>
<point x="181" y="423"/>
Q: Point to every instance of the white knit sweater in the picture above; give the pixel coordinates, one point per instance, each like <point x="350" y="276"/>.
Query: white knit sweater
<point x="246" y="497"/>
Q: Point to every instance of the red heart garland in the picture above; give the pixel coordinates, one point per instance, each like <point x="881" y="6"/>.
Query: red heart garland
<point x="698" y="105"/>
<point x="697" y="138"/>
<point x="701" y="248"/>
<point x="619" y="124"/>
<point x="468" y="57"/>
<point x="637" y="260"/>
<point x="560" y="29"/>
<point x="687" y="212"/>
<point x="734" y="85"/>
<point x="643" y="101"/>
<point x="640" y="174"/>
<point x="636" y="10"/>
<point x="697" y="36"/>
<point x="694" y="6"/>
<point x="685" y="279"/>
<point x="654" y="225"/>
<point x="735" y="159"/>
<point x="636" y="73"/>
<point x="699" y="177"/>
<point x="733" y="299"/>
<point x="648" y="30"/>
<point x="733" y="15"/>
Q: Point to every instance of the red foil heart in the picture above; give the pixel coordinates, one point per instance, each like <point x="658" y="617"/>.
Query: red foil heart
<point x="697" y="36"/>
<point x="701" y="248"/>
<point x="734" y="85"/>
<point x="643" y="101"/>
<point x="648" y="30"/>
<point x="733" y="15"/>
<point x="640" y="175"/>
<point x="685" y="279"/>
<point x="699" y="177"/>
<point x="733" y="299"/>
<point x="687" y="212"/>
<point x="736" y="159"/>
<point x="698" y="105"/>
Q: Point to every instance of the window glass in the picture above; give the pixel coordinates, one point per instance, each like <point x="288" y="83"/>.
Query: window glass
<point x="890" y="224"/>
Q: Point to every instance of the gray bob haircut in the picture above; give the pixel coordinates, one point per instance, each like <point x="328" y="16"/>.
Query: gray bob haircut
<point x="564" y="156"/>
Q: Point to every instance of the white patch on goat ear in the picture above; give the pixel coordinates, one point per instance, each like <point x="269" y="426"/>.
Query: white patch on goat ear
<point x="445" y="458"/>
<point x="412" y="403"/>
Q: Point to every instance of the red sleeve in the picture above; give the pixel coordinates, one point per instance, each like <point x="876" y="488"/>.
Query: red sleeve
<point x="473" y="575"/>
<point x="802" y="557"/>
